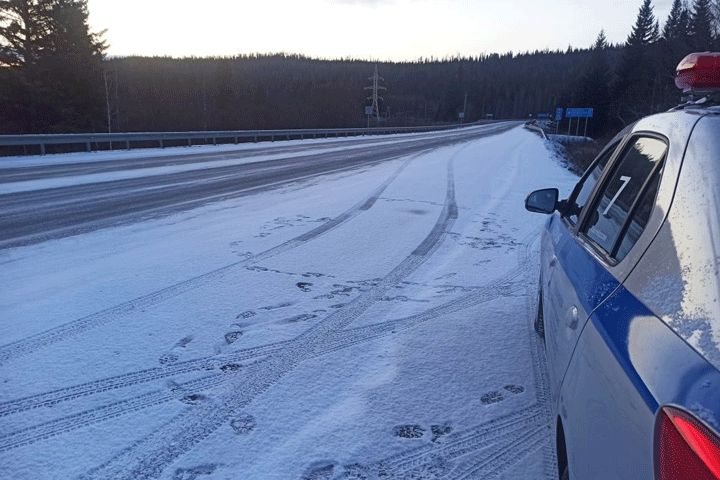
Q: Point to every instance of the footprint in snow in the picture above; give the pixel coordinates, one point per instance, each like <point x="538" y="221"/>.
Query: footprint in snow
<point x="492" y="397"/>
<point x="408" y="431"/>
<point x="243" y="424"/>
<point x="231" y="337"/>
<point x="319" y="471"/>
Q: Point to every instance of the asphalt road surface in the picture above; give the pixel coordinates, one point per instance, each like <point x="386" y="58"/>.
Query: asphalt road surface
<point x="89" y="197"/>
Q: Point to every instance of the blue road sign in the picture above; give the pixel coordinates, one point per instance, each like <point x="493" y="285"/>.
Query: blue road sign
<point x="368" y="110"/>
<point x="579" y="113"/>
<point x="558" y="114"/>
<point x="543" y="115"/>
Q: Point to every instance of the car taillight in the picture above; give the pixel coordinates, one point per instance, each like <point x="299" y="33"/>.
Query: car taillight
<point x="699" y="72"/>
<point x="685" y="448"/>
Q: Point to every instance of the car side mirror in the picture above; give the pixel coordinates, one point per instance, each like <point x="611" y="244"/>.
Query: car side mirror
<point x="542" y="201"/>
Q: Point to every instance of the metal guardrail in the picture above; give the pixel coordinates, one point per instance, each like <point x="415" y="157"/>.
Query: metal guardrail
<point x="161" y="139"/>
<point x="537" y="129"/>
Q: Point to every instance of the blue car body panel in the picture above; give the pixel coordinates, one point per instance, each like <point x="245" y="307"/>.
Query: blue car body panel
<point x="648" y="326"/>
<point x="572" y="279"/>
<point x="626" y="365"/>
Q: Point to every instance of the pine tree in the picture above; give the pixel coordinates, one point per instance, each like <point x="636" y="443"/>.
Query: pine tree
<point x="701" y="25"/>
<point x="635" y="89"/>
<point x="646" y="29"/>
<point x="676" y="25"/>
<point x="54" y="79"/>
<point x="674" y="47"/>
<point x="593" y="89"/>
<point x="23" y="30"/>
<point x="601" y="42"/>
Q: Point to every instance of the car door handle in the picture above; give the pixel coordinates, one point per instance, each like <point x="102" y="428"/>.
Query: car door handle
<point x="572" y="318"/>
<point x="553" y="261"/>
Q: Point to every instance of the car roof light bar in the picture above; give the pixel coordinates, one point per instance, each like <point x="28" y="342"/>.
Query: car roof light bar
<point x="699" y="73"/>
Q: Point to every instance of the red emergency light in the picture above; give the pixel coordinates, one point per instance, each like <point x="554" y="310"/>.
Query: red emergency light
<point x="699" y="72"/>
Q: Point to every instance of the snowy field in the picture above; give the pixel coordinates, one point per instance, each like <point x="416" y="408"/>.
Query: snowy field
<point x="369" y="324"/>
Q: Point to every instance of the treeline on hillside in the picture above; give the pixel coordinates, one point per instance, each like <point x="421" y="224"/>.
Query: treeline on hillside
<point x="57" y="81"/>
<point x="290" y="91"/>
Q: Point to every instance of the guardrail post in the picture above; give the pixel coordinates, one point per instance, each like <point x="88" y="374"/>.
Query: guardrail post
<point x="236" y="140"/>
<point x="42" y="149"/>
<point x="162" y="144"/>
<point x="89" y="147"/>
<point x="127" y="144"/>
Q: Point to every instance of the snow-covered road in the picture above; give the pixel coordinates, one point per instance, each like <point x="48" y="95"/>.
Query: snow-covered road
<point x="370" y="323"/>
<point x="52" y="197"/>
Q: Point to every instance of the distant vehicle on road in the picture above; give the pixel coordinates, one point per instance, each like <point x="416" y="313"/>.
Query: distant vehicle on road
<point x="629" y="296"/>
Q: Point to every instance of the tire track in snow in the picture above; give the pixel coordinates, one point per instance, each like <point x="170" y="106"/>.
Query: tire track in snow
<point x="43" y="431"/>
<point x="542" y="382"/>
<point x="248" y="353"/>
<point x="501" y="456"/>
<point x="484" y="449"/>
<point x="54" y="428"/>
<point x="148" y="457"/>
<point x="77" y="327"/>
<point x="48" y="399"/>
<point x="503" y="286"/>
<point x="338" y="340"/>
<point x="187" y="392"/>
<point x="506" y="285"/>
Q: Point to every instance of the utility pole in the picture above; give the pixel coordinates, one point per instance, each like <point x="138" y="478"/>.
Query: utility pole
<point x="117" y="105"/>
<point x="112" y="107"/>
<point x="111" y="99"/>
<point x="204" y="102"/>
<point x="462" y="119"/>
<point x="107" y="101"/>
<point x="375" y="87"/>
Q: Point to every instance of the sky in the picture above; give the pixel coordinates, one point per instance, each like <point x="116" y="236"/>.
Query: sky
<point x="394" y="30"/>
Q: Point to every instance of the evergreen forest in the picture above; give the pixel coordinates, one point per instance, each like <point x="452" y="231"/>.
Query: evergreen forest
<point x="55" y="77"/>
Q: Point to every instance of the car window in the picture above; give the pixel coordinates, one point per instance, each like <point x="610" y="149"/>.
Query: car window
<point x="613" y="203"/>
<point x="639" y="218"/>
<point x="582" y="190"/>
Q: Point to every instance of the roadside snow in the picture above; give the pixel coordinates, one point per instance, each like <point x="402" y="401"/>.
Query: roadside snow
<point x="240" y="340"/>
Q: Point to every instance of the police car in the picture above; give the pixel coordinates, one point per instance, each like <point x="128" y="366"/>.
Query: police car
<point x="629" y="296"/>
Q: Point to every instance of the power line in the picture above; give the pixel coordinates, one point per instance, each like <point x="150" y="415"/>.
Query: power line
<point x="375" y="87"/>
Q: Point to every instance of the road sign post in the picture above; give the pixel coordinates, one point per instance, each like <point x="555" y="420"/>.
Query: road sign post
<point x="558" y="118"/>
<point x="368" y="112"/>
<point x="579" y="113"/>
